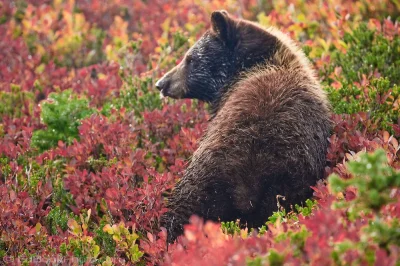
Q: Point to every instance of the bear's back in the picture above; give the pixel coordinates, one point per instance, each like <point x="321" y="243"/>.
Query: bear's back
<point x="271" y="134"/>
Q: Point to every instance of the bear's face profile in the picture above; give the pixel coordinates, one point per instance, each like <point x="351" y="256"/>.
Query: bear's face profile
<point x="205" y="68"/>
<point x="213" y="61"/>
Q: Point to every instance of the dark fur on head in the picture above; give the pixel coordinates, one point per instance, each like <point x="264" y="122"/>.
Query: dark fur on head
<point x="268" y="134"/>
<point x="230" y="46"/>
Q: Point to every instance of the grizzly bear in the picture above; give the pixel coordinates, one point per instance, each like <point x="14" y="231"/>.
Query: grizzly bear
<point x="268" y="132"/>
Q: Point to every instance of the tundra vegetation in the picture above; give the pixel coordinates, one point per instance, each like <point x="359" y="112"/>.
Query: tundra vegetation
<point x="88" y="150"/>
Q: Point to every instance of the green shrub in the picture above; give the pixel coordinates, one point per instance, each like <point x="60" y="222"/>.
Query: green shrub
<point x="62" y="115"/>
<point x="379" y="100"/>
<point x="136" y="96"/>
<point x="13" y="102"/>
<point x="34" y="174"/>
<point x="125" y="240"/>
<point x="5" y="168"/>
<point x="58" y="218"/>
<point x="104" y="239"/>
<point x="230" y="228"/>
<point x="307" y="209"/>
<point x="373" y="179"/>
<point x="80" y="242"/>
<point x="367" y="52"/>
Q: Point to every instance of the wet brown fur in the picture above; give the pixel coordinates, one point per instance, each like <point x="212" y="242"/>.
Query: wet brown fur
<point x="268" y="137"/>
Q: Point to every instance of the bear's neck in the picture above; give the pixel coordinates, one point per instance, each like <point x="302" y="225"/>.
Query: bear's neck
<point x="259" y="48"/>
<point x="216" y="103"/>
<point x="256" y="47"/>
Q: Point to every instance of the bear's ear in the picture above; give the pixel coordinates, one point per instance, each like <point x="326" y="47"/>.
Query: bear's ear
<point x="222" y="25"/>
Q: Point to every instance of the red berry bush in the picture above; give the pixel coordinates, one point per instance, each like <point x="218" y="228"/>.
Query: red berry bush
<point x="89" y="152"/>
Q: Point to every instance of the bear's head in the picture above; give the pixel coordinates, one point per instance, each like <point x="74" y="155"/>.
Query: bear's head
<point x="229" y="47"/>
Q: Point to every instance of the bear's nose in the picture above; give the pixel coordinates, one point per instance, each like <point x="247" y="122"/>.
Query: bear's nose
<point x="160" y="84"/>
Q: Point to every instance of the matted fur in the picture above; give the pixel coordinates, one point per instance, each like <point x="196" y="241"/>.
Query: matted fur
<point x="267" y="136"/>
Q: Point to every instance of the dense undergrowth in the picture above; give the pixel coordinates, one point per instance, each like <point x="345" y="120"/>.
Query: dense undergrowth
<point x="88" y="150"/>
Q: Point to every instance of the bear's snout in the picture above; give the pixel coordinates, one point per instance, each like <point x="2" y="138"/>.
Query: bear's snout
<point x="171" y="84"/>
<point x="161" y="84"/>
